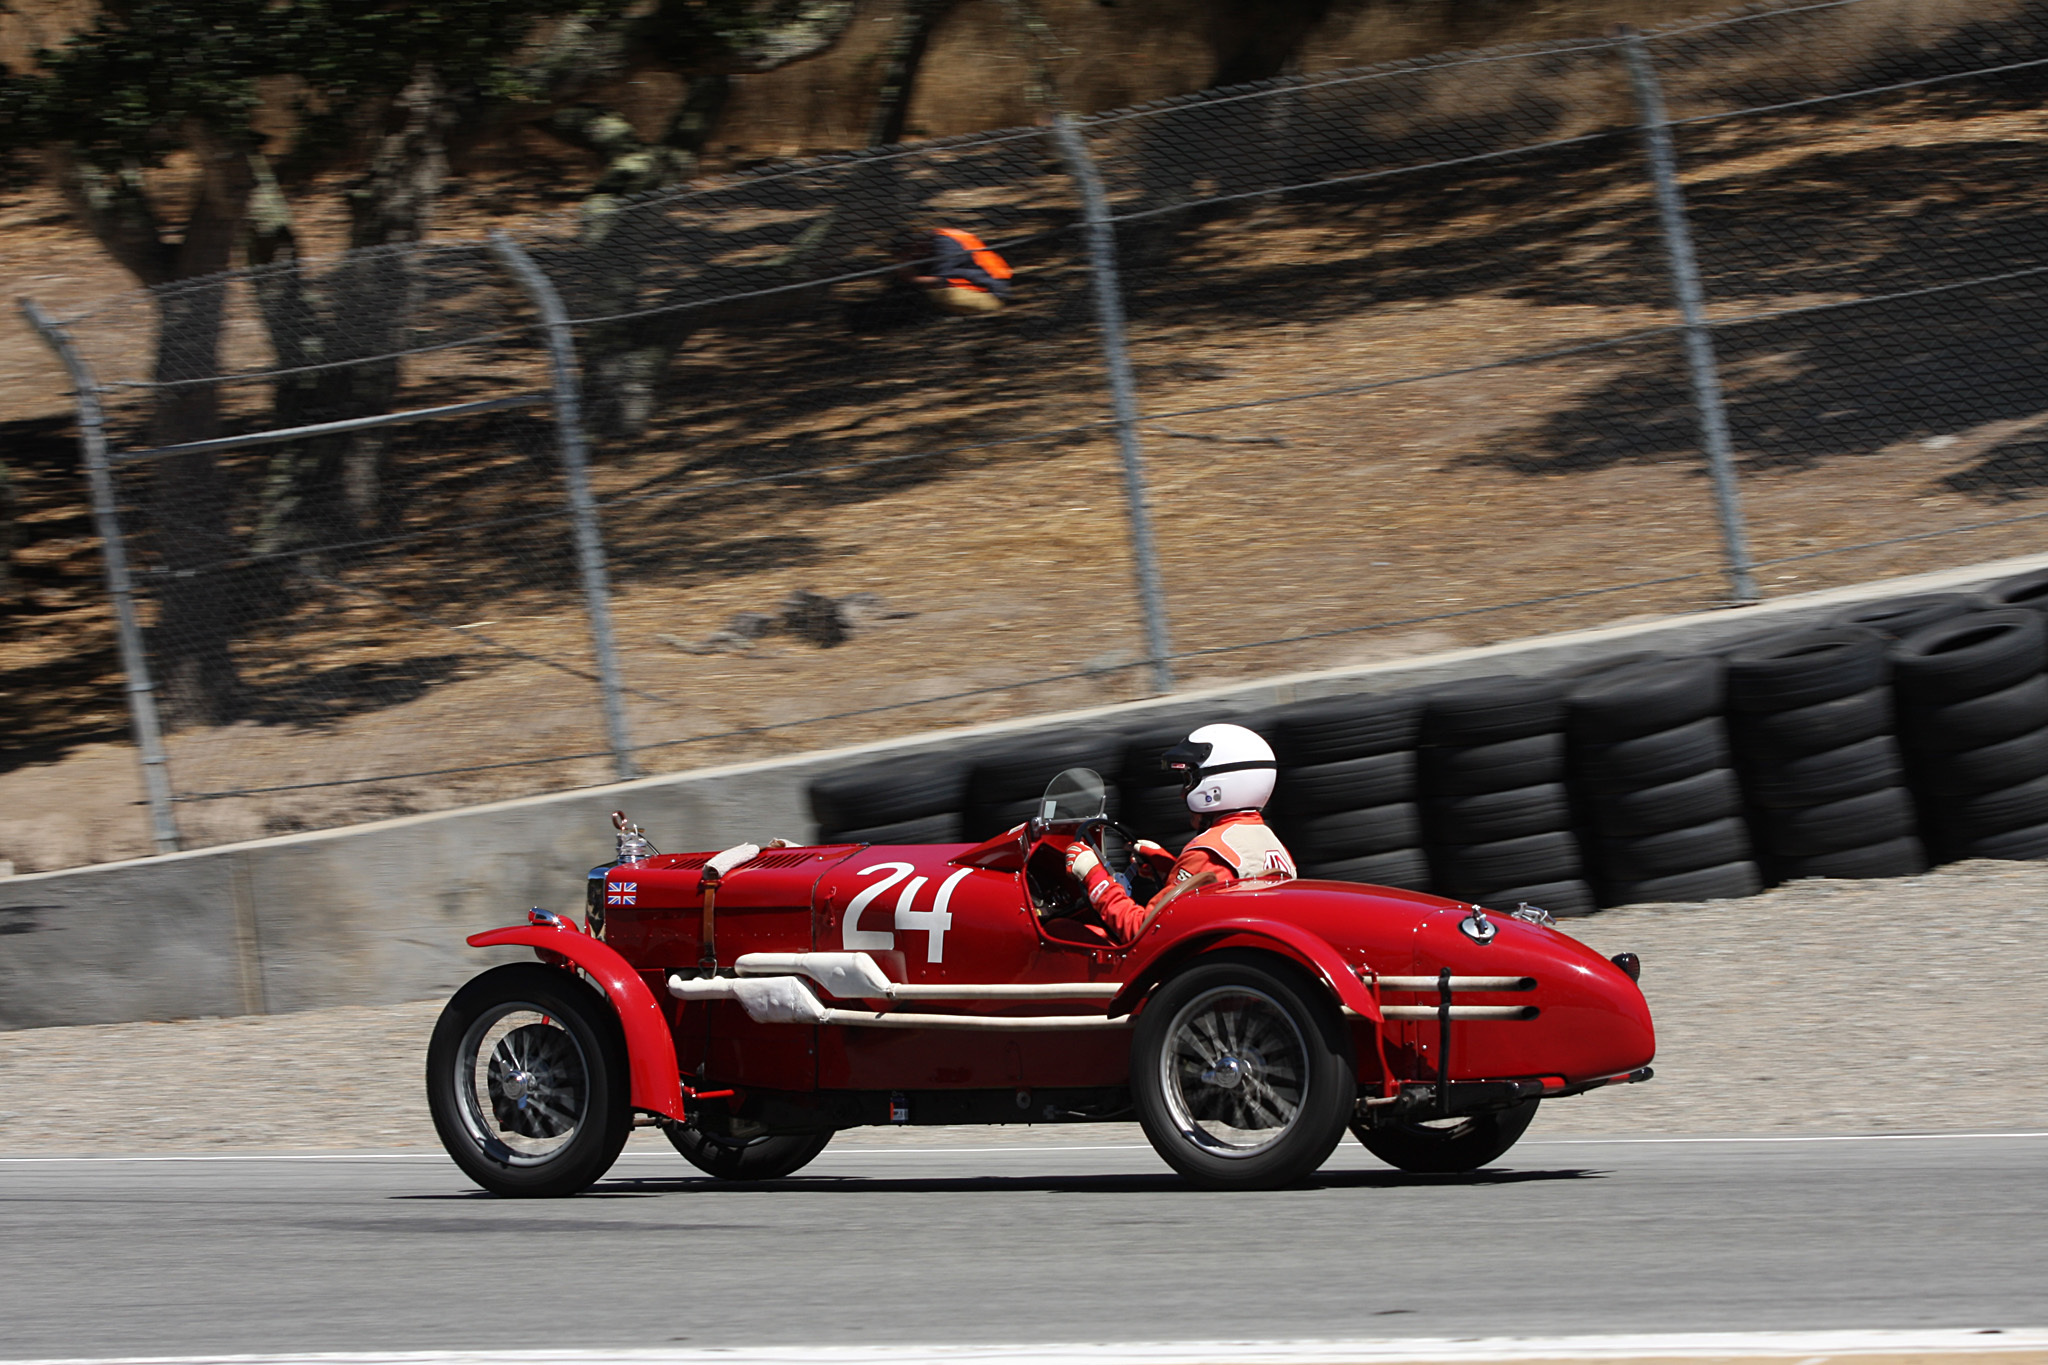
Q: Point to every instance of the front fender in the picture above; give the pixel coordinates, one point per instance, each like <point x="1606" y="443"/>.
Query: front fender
<point x="1289" y="940"/>
<point x="657" y="1085"/>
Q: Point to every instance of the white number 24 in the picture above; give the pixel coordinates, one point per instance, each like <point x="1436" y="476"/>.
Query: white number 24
<point x="936" y="920"/>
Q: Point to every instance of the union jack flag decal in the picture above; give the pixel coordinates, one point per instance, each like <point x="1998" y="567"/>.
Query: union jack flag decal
<point x="622" y="893"/>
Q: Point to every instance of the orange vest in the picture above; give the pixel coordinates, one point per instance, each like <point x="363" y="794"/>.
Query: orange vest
<point x="1246" y="846"/>
<point x="996" y="266"/>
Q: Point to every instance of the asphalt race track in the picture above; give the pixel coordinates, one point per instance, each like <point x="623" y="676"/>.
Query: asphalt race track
<point x="1083" y="1242"/>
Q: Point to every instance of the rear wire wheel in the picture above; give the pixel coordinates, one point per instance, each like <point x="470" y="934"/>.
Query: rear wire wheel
<point x="1241" y="1073"/>
<point x="527" y="1083"/>
<point x="1449" y="1146"/>
<point x="759" y="1158"/>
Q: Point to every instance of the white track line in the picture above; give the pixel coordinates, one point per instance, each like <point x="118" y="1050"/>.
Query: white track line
<point x="1789" y="1346"/>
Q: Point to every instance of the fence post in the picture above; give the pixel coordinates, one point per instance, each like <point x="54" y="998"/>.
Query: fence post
<point x="1123" y="389"/>
<point x="576" y="475"/>
<point x="1699" y="340"/>
<point x="92" y="441"/>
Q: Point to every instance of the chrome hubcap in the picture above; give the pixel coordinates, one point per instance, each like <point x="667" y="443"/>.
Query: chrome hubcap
<point x="1234" y="1071"/>
<point x="523" y="1084"/>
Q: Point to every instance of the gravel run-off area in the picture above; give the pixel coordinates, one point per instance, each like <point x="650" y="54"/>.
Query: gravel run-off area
<point x="1910" y="1004"/>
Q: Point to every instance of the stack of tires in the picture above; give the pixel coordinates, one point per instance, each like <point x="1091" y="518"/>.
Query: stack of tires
<point x="1006" y="781"/>
<point x="1345" y="799"/>
<point x="1901" y="616"/>
<point x="1810" y="713"/>
<point x="2026" y="590"/>
<point x="915" y="799"/>
<point x="1973" y="715"/>
<point x="1497" y="818"/>
<point x="1659" y="801"/>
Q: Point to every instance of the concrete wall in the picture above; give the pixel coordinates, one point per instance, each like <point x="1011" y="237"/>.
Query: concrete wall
<point x="376" y="914"/>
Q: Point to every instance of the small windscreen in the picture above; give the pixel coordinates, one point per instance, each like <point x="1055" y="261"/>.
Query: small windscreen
<point x="1076" y="794"/>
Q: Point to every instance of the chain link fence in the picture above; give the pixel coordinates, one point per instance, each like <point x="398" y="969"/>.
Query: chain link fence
<point x="1293" y="376"/>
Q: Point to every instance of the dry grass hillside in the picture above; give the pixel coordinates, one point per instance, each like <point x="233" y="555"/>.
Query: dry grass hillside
<point x="1356" y="525"/>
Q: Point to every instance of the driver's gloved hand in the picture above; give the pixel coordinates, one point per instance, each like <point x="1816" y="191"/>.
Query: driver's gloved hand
<point x="1144" y="851"/>
<point x="1081" y="861"/>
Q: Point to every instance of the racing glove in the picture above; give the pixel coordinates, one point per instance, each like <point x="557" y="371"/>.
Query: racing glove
<point x="1155" y="857"/>
<point x="1081" y="861"/>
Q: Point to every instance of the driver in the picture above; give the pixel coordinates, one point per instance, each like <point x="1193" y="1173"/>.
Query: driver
<point x="1227" y="774"/>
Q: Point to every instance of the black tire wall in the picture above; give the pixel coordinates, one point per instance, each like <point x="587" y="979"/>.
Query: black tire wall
<point x="1658" y="799"/>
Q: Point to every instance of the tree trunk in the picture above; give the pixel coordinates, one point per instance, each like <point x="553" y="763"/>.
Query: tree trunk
<point x="332" y="489"/>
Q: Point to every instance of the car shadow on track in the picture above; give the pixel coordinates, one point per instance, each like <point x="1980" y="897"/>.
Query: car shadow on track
<point x="629" y="1187"/>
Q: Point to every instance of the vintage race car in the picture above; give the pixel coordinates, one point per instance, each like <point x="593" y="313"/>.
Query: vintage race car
<point x="756" y="1001"/>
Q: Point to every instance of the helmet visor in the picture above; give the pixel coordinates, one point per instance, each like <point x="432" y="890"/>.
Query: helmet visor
<point x="1186" y="758"/>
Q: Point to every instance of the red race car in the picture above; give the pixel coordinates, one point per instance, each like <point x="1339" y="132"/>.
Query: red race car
<point x="754" y="1002"/>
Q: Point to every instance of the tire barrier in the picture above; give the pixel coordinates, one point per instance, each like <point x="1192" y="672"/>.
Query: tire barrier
<point x="1654" y="783"/>
<point x="2024" y="590"/>
<point x="1973" y="717"/>
<point x="1902" y="616"/>
<point x="1005" y="781"/>
<point x="1852" y="749"/>
<point x="889" y="801"/>
<point x="1345" y="804"/>
<point x="1496" y="818"/>
<point x="1810" y="713"/>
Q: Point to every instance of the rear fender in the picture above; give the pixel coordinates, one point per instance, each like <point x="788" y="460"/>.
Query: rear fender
<point x="657" y="1086"/>
<point x="1311" y="950"/>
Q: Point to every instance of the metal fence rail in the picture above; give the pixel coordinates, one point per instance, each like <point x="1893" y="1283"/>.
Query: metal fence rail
<point x="1451" y="349"/>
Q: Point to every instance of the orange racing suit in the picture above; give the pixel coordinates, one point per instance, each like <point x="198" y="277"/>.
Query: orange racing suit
<point x="1231" y="848"/>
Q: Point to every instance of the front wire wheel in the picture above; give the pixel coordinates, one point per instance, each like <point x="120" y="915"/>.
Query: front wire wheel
<point x="526" y="1081"/>
<point x="760" y="1158"/>
<point x="1449" y="1147"/>
<point x="1241" y="1073"/>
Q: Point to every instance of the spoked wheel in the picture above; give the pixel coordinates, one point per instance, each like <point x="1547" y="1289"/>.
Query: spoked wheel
<point x="1450" y="1145"/>
<point x="1241" y="1073"/>
<point x="526" y="1081"/>
<point x="761" y="1158"/>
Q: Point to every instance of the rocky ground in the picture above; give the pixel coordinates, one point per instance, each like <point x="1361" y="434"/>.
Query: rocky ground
<point x="1906" y="1004"/>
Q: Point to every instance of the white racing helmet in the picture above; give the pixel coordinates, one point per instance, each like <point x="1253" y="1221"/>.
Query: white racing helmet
<point x="1223" y="768"/>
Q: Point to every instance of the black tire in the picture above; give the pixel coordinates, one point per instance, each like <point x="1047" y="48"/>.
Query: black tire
<point x="1492" y="816"/>
<point x="1470" y="871"/>
<point x="1349" y="784"/>
<point x="1831" y="776"/>
<point x="2025" y="590"/>
<point x="1503" y="766"/>
<point x="1354" y="833"/>
<point x="1452" y="1146"/>
<point x="1981" y="720"/>
<point x="1856" y="821"/>
<point x="888" y="791"/>
<point x="1670" y="805"/>
<point x="2014" y="845"/>
<point x="1901" y="616"/>
<point x="1652" y="760"/>
<point x="1728" y="882"/>
<point x="1801" y="667"/>
<point x="926" y="829"/>
<point x="1971" y="656"/>
<point x="1490" y="710"/>
<point x="1991" y="767"/>
<point x="1822" y="726"/>
<point x="1407" y="869"/>
<point x="761" y="1158"/>
<point x="1002" y="778"/>
<point x="1980" y="816"/>
<point x="1195" y="1109"/>
<point x="1643" y="699"/>
<point x="1565" y="899"/>
<point x="1330" y="730"/>
<point x="554" y="1111"/>
<point x="1680" y="850"/>
<point x="1903" y="857"/>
